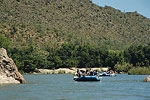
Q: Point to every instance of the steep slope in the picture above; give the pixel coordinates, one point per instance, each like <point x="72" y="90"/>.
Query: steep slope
<point x="50" y="23"/>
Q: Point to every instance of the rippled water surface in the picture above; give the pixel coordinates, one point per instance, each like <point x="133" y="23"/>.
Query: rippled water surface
<point x="62" y="87"/>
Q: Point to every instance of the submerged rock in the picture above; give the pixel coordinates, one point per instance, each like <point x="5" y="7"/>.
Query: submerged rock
<point x="147" y="79"/>
<point x="8" y="69"/>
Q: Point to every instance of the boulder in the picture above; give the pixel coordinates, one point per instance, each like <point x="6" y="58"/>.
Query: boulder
<point x="147" y="79"/>
<point x="8" y="69"/>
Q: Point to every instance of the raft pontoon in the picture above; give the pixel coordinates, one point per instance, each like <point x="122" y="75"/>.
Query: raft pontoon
<point x="86" y="78"/>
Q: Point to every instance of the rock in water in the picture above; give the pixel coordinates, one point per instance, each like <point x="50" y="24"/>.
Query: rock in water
<point x="8" y="69"/>
<point x="147" y="79"/>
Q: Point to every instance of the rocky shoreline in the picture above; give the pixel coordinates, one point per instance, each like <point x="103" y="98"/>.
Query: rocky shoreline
<point x="8" y="70"/>
<point x="64" y="70"/>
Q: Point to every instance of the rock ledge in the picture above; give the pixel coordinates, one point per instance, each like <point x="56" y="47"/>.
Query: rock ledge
<point x="8" y="69"/>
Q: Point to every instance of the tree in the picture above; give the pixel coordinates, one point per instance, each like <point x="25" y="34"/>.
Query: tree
<point x="138" y="55"/>
<point x="4" y="42"/>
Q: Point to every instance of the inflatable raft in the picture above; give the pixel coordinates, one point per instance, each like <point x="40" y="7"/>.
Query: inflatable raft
<point x="105" y="74"/>
<point x="87" y="78"/>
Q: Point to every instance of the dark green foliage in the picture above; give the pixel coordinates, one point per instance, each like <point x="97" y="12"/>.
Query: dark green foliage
<point x="27" y="59"/>
<point x="124" y="67"/>
<point x="71" y="55"/>
<point x="4" y="42"/>
<point x="112" y="59"/>
<point x="138" y="55"/>
<point x="85" y="56"/>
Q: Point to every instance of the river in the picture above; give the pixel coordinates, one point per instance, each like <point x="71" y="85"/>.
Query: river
<point x="62" y="87"/>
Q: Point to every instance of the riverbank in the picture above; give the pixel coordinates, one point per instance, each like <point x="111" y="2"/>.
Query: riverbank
<point x="65" y="70"/>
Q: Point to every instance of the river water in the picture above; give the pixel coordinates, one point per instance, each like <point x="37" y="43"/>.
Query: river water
<point x="62" y="87"/>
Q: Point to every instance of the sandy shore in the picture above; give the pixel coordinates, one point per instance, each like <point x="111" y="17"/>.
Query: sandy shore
<point x="64" y="70"/>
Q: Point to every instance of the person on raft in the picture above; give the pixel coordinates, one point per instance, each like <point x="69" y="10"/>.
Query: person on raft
<point x="78" y="73"/>
<point x="86" y="73"/>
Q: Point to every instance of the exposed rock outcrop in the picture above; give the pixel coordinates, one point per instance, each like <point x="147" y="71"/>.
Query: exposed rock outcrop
<point x="147" y="79"/>
<point x="8" y="69"/>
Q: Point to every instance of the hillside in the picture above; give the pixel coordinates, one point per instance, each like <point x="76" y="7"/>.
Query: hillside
<point x="47" y="24"/>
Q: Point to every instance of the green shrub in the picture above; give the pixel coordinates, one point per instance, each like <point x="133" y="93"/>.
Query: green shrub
<point x="139" y="71"/>
<point x="4" y="42"/>
<point x="123" y="67"/>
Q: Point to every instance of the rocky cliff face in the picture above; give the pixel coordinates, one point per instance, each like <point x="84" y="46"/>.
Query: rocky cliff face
<point x="8" y="69"/>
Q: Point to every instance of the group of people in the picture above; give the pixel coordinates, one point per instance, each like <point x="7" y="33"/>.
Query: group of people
<point x="108" y="72"/>
<point x="92" y="72"/>
<point x="86" y="73"/>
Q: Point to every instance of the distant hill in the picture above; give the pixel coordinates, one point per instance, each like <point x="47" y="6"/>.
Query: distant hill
<point x="47" y="24"/>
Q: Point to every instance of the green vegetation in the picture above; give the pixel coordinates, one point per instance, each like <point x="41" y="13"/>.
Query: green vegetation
<point x="48" y="24"/>
<point x="28" y="59"/>
<point x="140" y="71"/>
<point x="138" y="55"/>
<point x="71" y="55"/>
<point x="125" y="67"/>
<point x="73" y="33"/>
<point x="4" y="42"/>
